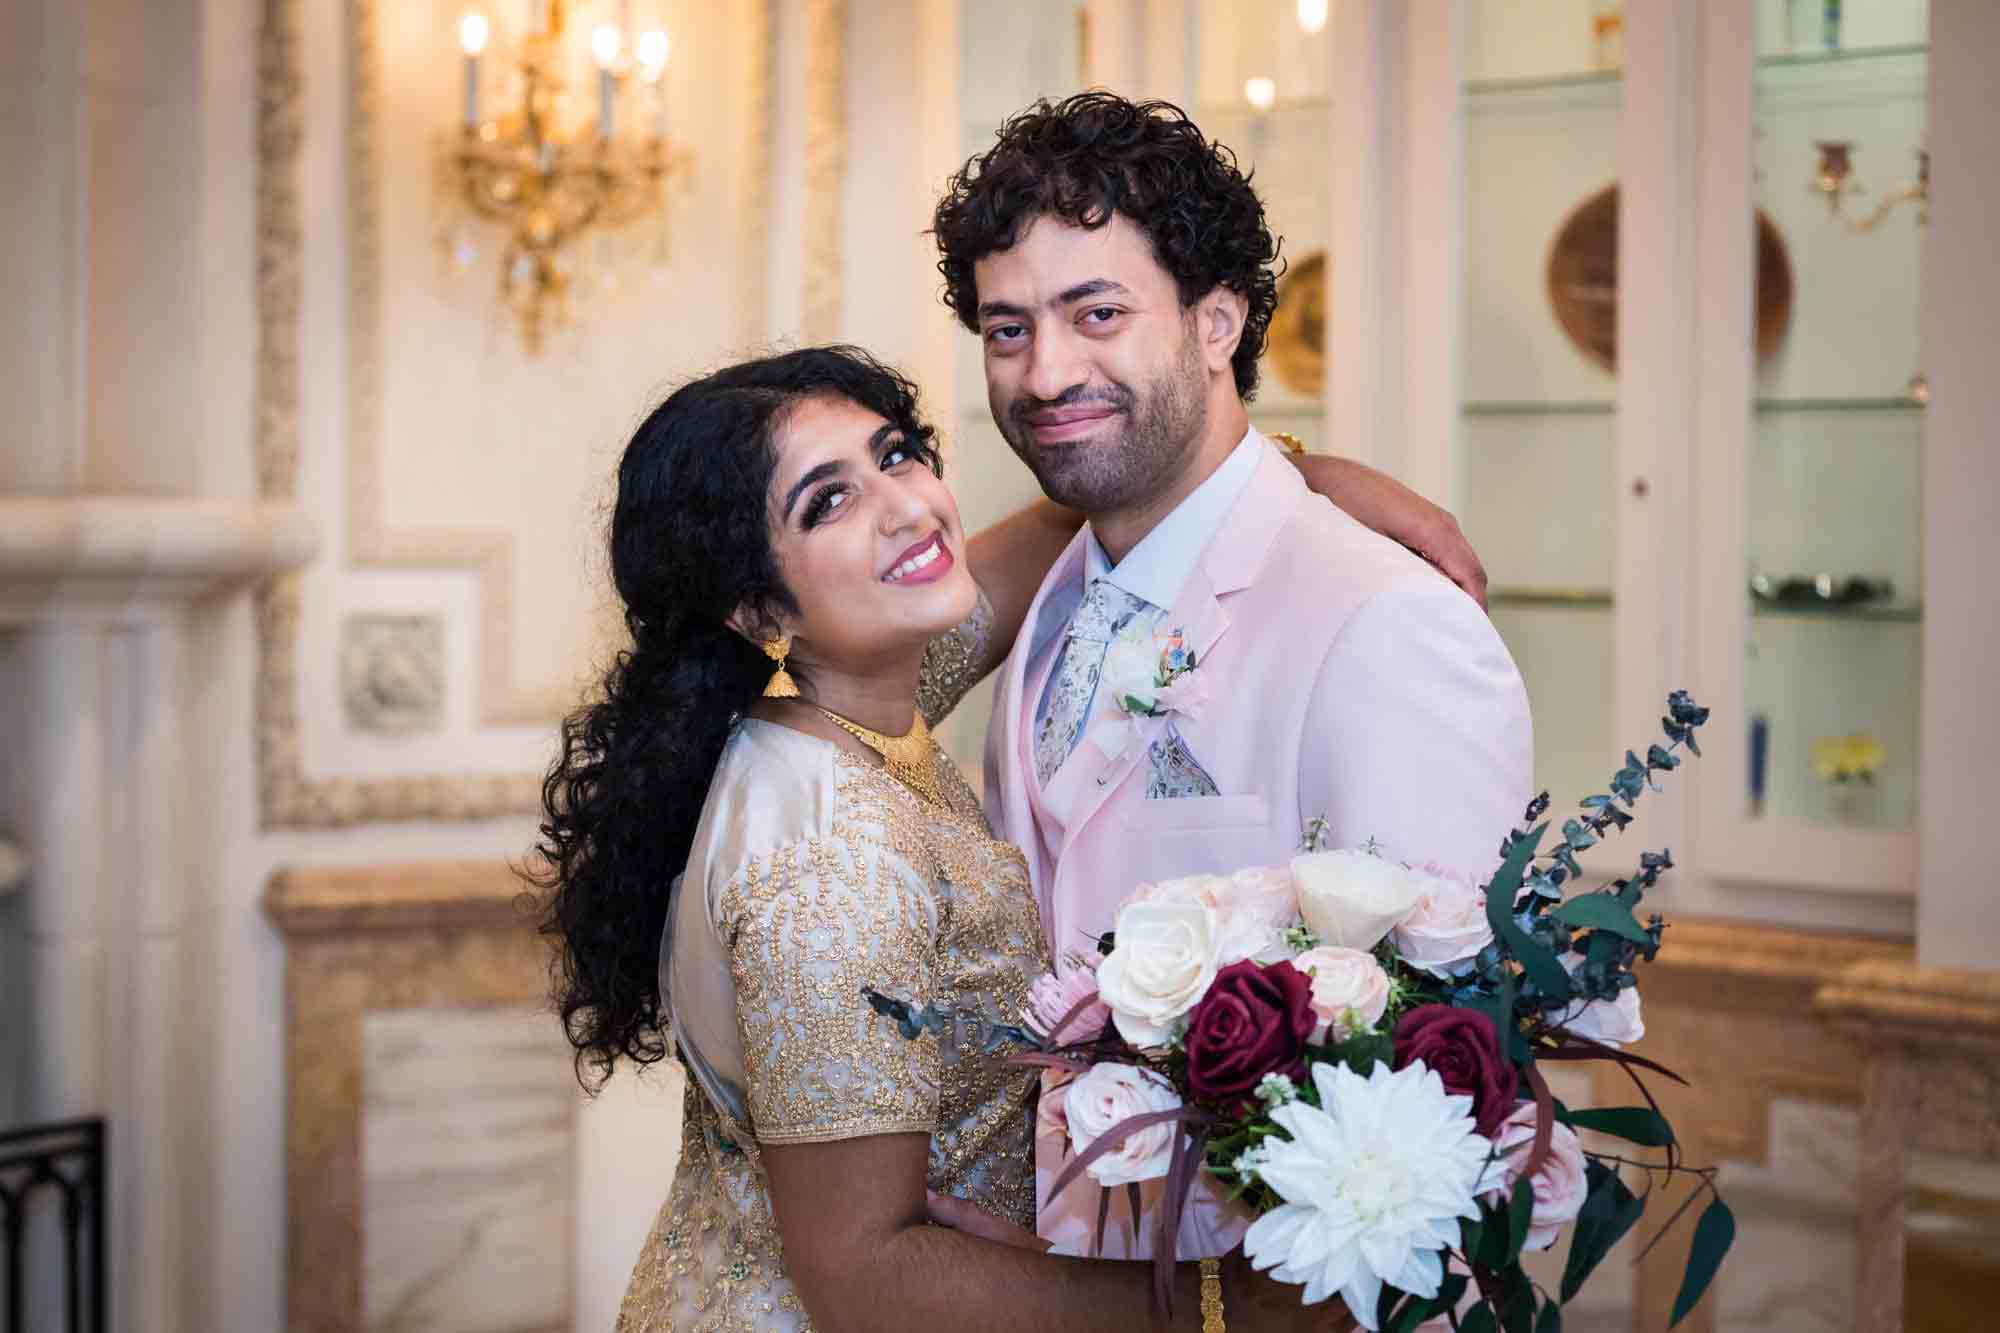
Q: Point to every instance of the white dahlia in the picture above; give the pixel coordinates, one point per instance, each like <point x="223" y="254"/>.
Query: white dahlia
<point x="1374" y="1180"/>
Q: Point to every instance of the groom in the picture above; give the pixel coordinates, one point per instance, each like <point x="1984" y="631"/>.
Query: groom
<point x="1120" y="274"/>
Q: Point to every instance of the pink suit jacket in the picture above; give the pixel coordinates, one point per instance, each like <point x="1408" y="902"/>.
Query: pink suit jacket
<point x="1345" y="678"/>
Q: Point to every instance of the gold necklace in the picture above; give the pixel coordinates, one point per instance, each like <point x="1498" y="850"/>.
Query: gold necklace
<point x="910" y="759"/>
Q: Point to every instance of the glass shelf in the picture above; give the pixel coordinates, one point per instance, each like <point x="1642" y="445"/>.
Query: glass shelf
<point x="1902" y="615"/>
<point x="1534" y="599"/>
<point x="1764" y="407"/>
<point x="1859" y="55"/>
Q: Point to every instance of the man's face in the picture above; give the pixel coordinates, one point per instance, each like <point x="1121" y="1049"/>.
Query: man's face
<point x="1093" y="368"/>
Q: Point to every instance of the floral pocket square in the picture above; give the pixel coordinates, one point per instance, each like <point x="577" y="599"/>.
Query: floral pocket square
<point x="1174" y="772"/>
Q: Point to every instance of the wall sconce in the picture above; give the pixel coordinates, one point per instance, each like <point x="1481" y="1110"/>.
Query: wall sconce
<point x="1834" y="180"/>
<point x="550" y="184"/>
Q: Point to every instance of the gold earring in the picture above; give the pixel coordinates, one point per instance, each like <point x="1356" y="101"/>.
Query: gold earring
<point x="781" y="685"/>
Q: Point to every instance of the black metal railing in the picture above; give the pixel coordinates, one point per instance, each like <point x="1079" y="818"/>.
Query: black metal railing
<point x="67" y="1159"/>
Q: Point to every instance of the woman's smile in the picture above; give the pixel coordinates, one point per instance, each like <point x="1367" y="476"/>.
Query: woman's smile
<point x="926" y="562"/>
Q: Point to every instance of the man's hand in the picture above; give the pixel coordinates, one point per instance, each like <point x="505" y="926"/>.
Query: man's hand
<point x="1379" y="501"/>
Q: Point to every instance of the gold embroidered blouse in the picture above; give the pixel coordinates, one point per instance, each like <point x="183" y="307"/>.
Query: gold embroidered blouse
<point x="813" y="875"/>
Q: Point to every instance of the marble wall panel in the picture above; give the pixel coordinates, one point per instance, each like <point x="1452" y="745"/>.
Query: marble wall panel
<point x="468" y="1174"/>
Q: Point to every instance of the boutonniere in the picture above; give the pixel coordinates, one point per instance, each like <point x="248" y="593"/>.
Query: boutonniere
<point x="1151" y="675"/>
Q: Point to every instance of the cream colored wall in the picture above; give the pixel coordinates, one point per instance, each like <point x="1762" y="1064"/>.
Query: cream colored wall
<point x="134" y="257"/>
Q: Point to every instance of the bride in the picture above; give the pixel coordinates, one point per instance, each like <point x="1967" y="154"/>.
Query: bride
<point x="751" y="830"/>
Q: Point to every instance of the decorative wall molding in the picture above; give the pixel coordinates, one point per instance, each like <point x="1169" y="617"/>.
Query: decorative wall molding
<point x="371" y="542"/>
<point x="825" y="164"/>
<point x="287" y="798"/>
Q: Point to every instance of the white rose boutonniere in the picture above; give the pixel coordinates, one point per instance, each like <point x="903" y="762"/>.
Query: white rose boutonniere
<point x="1150" y="675"/>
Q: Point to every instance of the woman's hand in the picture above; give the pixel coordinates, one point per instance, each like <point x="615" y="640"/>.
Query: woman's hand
<point x="959" y="1215"/>
<point x="1377" y="500"/>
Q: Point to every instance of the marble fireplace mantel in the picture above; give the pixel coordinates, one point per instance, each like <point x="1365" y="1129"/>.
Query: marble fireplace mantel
<point x="95" y="592"/>
<point x="125" y="558"/>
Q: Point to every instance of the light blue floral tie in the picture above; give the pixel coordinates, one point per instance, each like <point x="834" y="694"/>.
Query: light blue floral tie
<point x="1065" y="709"/>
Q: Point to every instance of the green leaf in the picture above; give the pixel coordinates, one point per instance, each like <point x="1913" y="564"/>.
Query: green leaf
<point x="1713" y="1235"/>
<point x="1517" y="1303"/>
<point x="1550" y="1320"/>
<point x="1416" y="1310"/>
<point x="1601" y="911"/>
<point x="1536" y="959"/>
<point x="1478" y="1320"/>
<point x="1470" y="1232"/>
<point x="1635" y="1124"/>
<point x="1520" y="1212"/>
<point x="1609" y="1211"/>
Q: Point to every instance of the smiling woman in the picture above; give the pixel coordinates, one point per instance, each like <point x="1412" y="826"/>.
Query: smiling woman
<point x="730" y="872"/>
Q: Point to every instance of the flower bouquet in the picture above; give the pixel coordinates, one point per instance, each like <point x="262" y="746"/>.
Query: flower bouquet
<point x="1350" y="1047"/>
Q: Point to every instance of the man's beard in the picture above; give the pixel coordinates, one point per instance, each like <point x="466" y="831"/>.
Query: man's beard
<point x="1163" y="426"/>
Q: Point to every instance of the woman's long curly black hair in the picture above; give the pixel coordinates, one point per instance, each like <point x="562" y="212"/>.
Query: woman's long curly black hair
<point x="689" y="545"/>
<point x="1095" y="154"/>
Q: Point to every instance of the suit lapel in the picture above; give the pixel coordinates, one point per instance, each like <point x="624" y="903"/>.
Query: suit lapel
<point x="1011" y="710"/>
<point x="1106" y="760"/>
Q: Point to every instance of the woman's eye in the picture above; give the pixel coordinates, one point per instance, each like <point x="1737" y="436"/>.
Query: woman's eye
<point x="895" y="456"/>
<point x="823" y="505"/>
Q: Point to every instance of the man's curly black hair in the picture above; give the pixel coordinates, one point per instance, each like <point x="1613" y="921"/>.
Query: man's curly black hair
<point x="1095" y="154"/>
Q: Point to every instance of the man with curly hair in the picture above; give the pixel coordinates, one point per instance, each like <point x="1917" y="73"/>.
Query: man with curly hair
<point x="1118" y="269"/>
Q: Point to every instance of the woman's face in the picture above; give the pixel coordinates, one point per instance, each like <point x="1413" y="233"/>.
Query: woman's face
<point x="867" y="538"/>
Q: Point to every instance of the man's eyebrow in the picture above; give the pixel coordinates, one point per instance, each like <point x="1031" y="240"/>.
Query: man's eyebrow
<point x="1094" y="287"/>
<point x="1081" y="292"/>
<point x="813" y="474"/>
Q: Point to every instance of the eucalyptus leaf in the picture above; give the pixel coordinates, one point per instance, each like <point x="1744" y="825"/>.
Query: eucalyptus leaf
<point x="1635" y="1124"/>
<point x="1609" y="1210"/>
<point x="1601" y="911"/>
<point x="1713" y="1235"/>
<point x="1478" y="1320"/>
<point x="1520" y="1212"/>
<point x="1550" y="1320"/>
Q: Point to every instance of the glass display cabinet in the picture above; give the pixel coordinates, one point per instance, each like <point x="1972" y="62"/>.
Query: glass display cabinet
<point x="1635" y="289"/>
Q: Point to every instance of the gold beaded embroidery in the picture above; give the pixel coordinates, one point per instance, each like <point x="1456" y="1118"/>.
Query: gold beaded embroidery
<point x="913" y="899"/>
<point x="955" y="662"/>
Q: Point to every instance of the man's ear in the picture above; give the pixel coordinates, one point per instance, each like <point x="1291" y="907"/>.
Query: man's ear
<point x="1219" y="320"/>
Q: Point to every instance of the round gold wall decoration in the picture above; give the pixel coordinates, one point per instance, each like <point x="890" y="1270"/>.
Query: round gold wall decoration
<point x="1295" y="344"/>
<point x="1583" y="280"/>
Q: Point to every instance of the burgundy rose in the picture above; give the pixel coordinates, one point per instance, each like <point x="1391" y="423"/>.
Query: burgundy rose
<point x="1464" y="1049"/>
<point x="1253" y="1021"/>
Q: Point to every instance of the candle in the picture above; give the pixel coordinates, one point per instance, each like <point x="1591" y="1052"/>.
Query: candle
<point x="604" y="44"/>
<point x="652" y="51"/>
<point x="472" y="33"/>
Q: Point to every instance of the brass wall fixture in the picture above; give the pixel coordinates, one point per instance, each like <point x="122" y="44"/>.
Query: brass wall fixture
<point x="548" y="177"/>
<point x="1834" y="181"/>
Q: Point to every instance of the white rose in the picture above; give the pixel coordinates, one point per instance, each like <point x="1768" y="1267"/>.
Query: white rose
<point x="1350" y="991"/>
<point x="1447" y="928"/>
<point x="1613" y="1022"/>
<point x="1253" y="908"/>
<point x="1162" y="962"/>
<point x="1108" y="1094"/>
<point x="1131" y="670"/>
<point x="1352" y="898"/>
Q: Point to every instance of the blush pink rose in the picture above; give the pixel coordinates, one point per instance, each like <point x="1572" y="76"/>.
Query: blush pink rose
<point x="1052" y="998"/>
<point x="1560" y="1185"/>
<point x="1350" y="991"/>
<point x="1107" y="1095"/>
<point x="1447" y="928"/>
<point x="1252" y="909"/>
